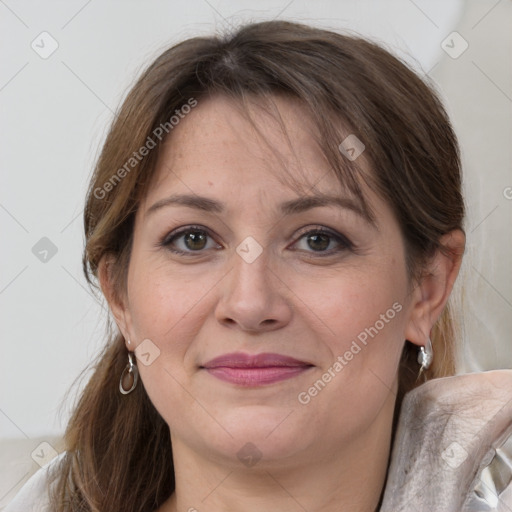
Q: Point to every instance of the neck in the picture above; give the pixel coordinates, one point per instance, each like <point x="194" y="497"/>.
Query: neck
<point x="348" y="479"/>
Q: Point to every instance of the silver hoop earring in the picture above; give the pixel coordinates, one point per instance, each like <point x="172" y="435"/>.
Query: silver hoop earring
<point x="425" y="356"/>
<point x="129" y="377"/>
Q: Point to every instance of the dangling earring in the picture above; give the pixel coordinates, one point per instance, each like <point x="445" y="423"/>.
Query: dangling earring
<point x="425" y="356"/>
<point x="129" y="377"/>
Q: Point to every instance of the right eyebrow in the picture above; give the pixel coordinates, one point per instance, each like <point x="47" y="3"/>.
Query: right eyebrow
<point x="192" y="201"/>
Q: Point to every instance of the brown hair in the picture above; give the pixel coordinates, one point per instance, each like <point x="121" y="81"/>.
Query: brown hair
<point x="119" y="454"/>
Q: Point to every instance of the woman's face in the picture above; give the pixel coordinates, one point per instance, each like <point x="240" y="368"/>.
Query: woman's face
<point x="229" y="259"/>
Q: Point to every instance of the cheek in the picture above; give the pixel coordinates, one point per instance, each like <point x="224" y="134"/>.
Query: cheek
<point x="169" y="309"/>
<point x="361" y="321"/>
<point x="164" y="303"/>
<point x="356" y="306"/>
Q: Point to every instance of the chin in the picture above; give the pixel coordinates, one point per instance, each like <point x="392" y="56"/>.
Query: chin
<point x="272" y="433"/>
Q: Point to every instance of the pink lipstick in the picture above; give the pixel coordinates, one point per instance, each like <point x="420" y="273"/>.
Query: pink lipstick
<point x="255" y="370"/>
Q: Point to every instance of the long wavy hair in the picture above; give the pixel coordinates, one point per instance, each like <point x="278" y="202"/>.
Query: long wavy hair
<point x="118" y="448"/>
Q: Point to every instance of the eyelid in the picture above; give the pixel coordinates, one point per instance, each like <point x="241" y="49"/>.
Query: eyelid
<point x="344" y="243"/>
<point x="339" y="237"/>
<point x="176" y="233"/>
<point x="184" y="229"/>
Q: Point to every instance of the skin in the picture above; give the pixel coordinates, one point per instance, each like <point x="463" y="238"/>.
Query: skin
<point x="331" y="453"/>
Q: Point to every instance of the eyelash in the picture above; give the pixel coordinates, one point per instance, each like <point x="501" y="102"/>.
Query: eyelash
<point x="337" y="237"/>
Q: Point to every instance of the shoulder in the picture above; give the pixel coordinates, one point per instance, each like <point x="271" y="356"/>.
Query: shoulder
<point x="34" y="496"/>
<point x="453" y="445"/>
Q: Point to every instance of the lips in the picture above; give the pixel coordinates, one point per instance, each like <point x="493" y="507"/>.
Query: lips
<point x="255" y="370"/>
<point x="265" y="360"/>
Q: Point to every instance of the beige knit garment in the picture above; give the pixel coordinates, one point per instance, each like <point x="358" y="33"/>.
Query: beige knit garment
<point x="453" y="448"/>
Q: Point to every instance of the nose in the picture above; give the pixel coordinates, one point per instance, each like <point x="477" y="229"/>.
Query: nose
<point x="253" y="298"/>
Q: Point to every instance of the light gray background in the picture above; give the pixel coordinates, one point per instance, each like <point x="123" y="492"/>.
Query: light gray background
<point x="55" y="112"/>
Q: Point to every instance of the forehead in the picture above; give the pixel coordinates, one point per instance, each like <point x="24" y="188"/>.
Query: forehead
<point x="266" y="147"/>
<point x="270" y="140"/>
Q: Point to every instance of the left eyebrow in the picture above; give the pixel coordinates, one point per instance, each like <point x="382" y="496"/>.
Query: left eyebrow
<point x="290" y="207"/>
<point x="302" y="204"/>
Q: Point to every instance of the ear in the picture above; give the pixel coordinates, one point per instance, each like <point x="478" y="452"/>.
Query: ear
<point x="432" y="292"/>
<point x="117" y="303"/>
